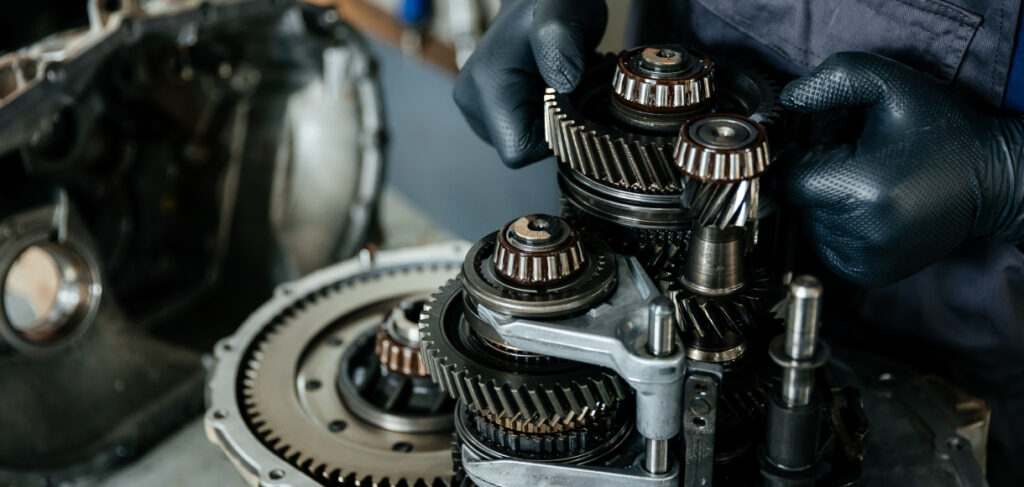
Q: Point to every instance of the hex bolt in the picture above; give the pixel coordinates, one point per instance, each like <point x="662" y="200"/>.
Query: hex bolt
<point x="803" y="320"/>
<point x="660" y="342"/>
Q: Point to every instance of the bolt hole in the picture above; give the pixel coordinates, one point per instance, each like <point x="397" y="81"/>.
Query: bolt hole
<point x="276" y="474"/>
<point x="402" y="446"/>
<point x="335" y="341"/>
<point x="220" y="414"/>
<point x="337" y="425"/>
<point x="228" y="347"/>
<point x="313" y="385"/>
<point x="700" y="422"/>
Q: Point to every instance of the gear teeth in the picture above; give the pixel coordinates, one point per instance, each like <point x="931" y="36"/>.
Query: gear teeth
<point x="275" y="439"/>
<point x="621" y="161"/>
<point x="543" y="406"/>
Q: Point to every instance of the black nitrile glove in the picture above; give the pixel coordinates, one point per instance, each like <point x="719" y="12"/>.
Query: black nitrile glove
<point x="926" y="173"/>
<point x="530" y="43"/>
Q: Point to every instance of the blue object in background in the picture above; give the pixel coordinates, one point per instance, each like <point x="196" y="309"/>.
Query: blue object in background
<point x="1014" y="98"/>
<point x="414" y="12"/>
<point x="436" y="161"/>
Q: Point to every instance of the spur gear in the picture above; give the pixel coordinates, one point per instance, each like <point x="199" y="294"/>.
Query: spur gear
<point x="274" y="407"/>
<point x="544" y="394"/>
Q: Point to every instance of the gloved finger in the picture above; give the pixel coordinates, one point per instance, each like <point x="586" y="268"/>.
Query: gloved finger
<point x="820" y="179"/>
<point x="514" y="124"/>
<point x="562" y="34"/>
<point x="467" y="96"/>
<point x="848" y="79"/>
<point x="499" y="90"/>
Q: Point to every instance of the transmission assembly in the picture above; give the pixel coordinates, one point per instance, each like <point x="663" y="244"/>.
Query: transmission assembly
<point x="651" y="335"/>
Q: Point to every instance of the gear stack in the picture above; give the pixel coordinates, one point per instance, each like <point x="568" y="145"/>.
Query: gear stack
<point x="615" y="138"/>
<point x="513" y="403"/>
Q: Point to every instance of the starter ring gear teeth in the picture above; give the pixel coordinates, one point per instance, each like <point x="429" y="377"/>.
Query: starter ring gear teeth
<point x="547" y="400"/>
<point x="288" y="349"/>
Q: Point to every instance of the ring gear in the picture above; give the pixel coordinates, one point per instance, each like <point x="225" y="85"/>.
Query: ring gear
<point x="270" y="407"/>
<point x="545" y="394"/>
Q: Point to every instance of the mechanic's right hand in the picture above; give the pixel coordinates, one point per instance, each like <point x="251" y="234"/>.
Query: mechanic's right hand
<point x="530" y="44"/>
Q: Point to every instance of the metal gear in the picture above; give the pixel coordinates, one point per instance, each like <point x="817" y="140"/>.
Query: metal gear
<point x="549" y="445"/>
<point x="546" y="394"/>
<point x="270" y="408"/>
<point x="584" y="137"/>
<point x="718" y="328"/>
<point x="721" y="157"/>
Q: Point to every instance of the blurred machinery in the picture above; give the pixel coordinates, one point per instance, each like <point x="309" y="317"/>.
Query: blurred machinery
<point x="161" y="170"/>
<point x="653" y="334"/>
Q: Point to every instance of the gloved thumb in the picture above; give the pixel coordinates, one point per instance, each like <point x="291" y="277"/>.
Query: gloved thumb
<point x="846" y="79"/>
<point x="562" y="34"/>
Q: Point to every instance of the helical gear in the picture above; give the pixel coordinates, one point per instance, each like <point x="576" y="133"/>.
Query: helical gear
<point x="548" y="398"/>
<point x="721" y="157"/>
<point x="717" y="329"/>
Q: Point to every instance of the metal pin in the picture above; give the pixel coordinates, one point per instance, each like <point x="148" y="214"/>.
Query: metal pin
<point x="803" y="320"/>
<point x="660" y="342"/>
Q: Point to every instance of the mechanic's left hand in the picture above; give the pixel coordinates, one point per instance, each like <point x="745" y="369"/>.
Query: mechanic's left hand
<point x="926" y="173"/>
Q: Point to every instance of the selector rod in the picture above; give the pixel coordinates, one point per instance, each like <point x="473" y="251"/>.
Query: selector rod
<point x="660" y="342"/>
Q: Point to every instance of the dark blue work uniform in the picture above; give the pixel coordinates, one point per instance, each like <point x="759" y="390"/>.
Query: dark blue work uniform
<point x="967" y="310"/>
